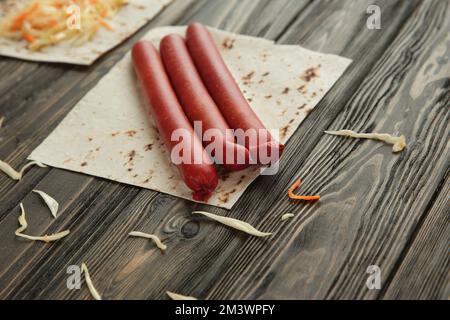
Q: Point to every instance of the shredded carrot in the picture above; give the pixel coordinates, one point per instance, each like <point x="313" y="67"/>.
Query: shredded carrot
<point x="41" y="25"/>
<point x="104" y="12"/>
<point x="28" y="37"/>
<point x="105" y="24"/>
<point x="296" y="197"/>
<point x="42" y="22"/>
<point x="20" y="19"/>
<point x="57" y="4"/>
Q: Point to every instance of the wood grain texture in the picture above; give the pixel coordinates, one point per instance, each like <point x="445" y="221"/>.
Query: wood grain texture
<point x="424" y="272"/>
<point x="372" y="199"/>
<point x="23" y="131"/>
<point x="35" y="113"/>
<point x="373" y="205"/>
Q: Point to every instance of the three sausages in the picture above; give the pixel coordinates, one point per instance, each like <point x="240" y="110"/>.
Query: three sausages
<point x="187" y="84"/>
<point x="169" y="117"/>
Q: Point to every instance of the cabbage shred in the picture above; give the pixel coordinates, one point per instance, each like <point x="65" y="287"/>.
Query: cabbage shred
<point x="44" y="23"/>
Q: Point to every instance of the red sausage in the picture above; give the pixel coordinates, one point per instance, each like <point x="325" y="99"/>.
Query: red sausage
<point x="198" y="104"/>
<point x="200" y="176"/>
<point x="225" y="91"/>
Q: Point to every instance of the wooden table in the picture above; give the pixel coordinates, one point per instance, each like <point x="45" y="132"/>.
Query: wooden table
<point x="378" y="208"/>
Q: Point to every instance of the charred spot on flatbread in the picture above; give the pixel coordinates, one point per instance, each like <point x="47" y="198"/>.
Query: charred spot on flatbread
<point x="311" y="73"/>
<point x="148" y="147"/>
<point x="284" y="131"/>
<point x="131" y="133"/>
<point x="228" y="43"/>
<point x="248" y="78"/>
<point x="302" y="89"/>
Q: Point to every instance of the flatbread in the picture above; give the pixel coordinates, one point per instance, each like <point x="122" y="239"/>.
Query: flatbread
<point x="127" y="21"/>
<point x="109" y="134"/>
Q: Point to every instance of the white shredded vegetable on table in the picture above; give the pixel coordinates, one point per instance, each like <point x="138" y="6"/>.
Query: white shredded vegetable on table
<point x="176" y="296"/>
<point x="155" y="239"/>
<point x="89" y="283"/>
<point x="17" y="175"/>
<point x="43" y="23"/>
<point x="287" y="216"/>
<point x="236" y="224"/>
<point x="22" y="220"/>
<point x="2" y="119"/>
<point x="52" y="204"/>
<point x="46" y="238"/>
<point x="399" y="143"/>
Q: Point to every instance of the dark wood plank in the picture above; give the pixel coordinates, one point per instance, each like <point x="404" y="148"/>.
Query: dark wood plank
<point x="24" y="130"/>
<point x="177" y="211"/>
<point x="210" y="261"/>
<point x="77" y="182"/>
<point x="372" y="198"/>
<point x="37" y="112"/>
<point x="423" y="273"/>
<point x="289" y="10"/>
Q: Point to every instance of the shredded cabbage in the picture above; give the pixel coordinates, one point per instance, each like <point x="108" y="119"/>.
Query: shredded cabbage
<point x="287" y="216"/>
<point x="51" y="203"/>
<point x="89" y="283"/>
<point x="236" y="224"/>
<point x="155" y="239"/>
<point x="17" y="175"/>
<point x="46" y="238"/>
<point x="44" y="23"/>
<point x="176" y="296"/>
<point x="398" y="143"/>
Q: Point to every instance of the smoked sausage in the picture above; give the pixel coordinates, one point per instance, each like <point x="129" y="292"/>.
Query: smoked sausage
<point x="198" y="171"/>
<point x="198" y="105"/>
<point x="226" y="92"/>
